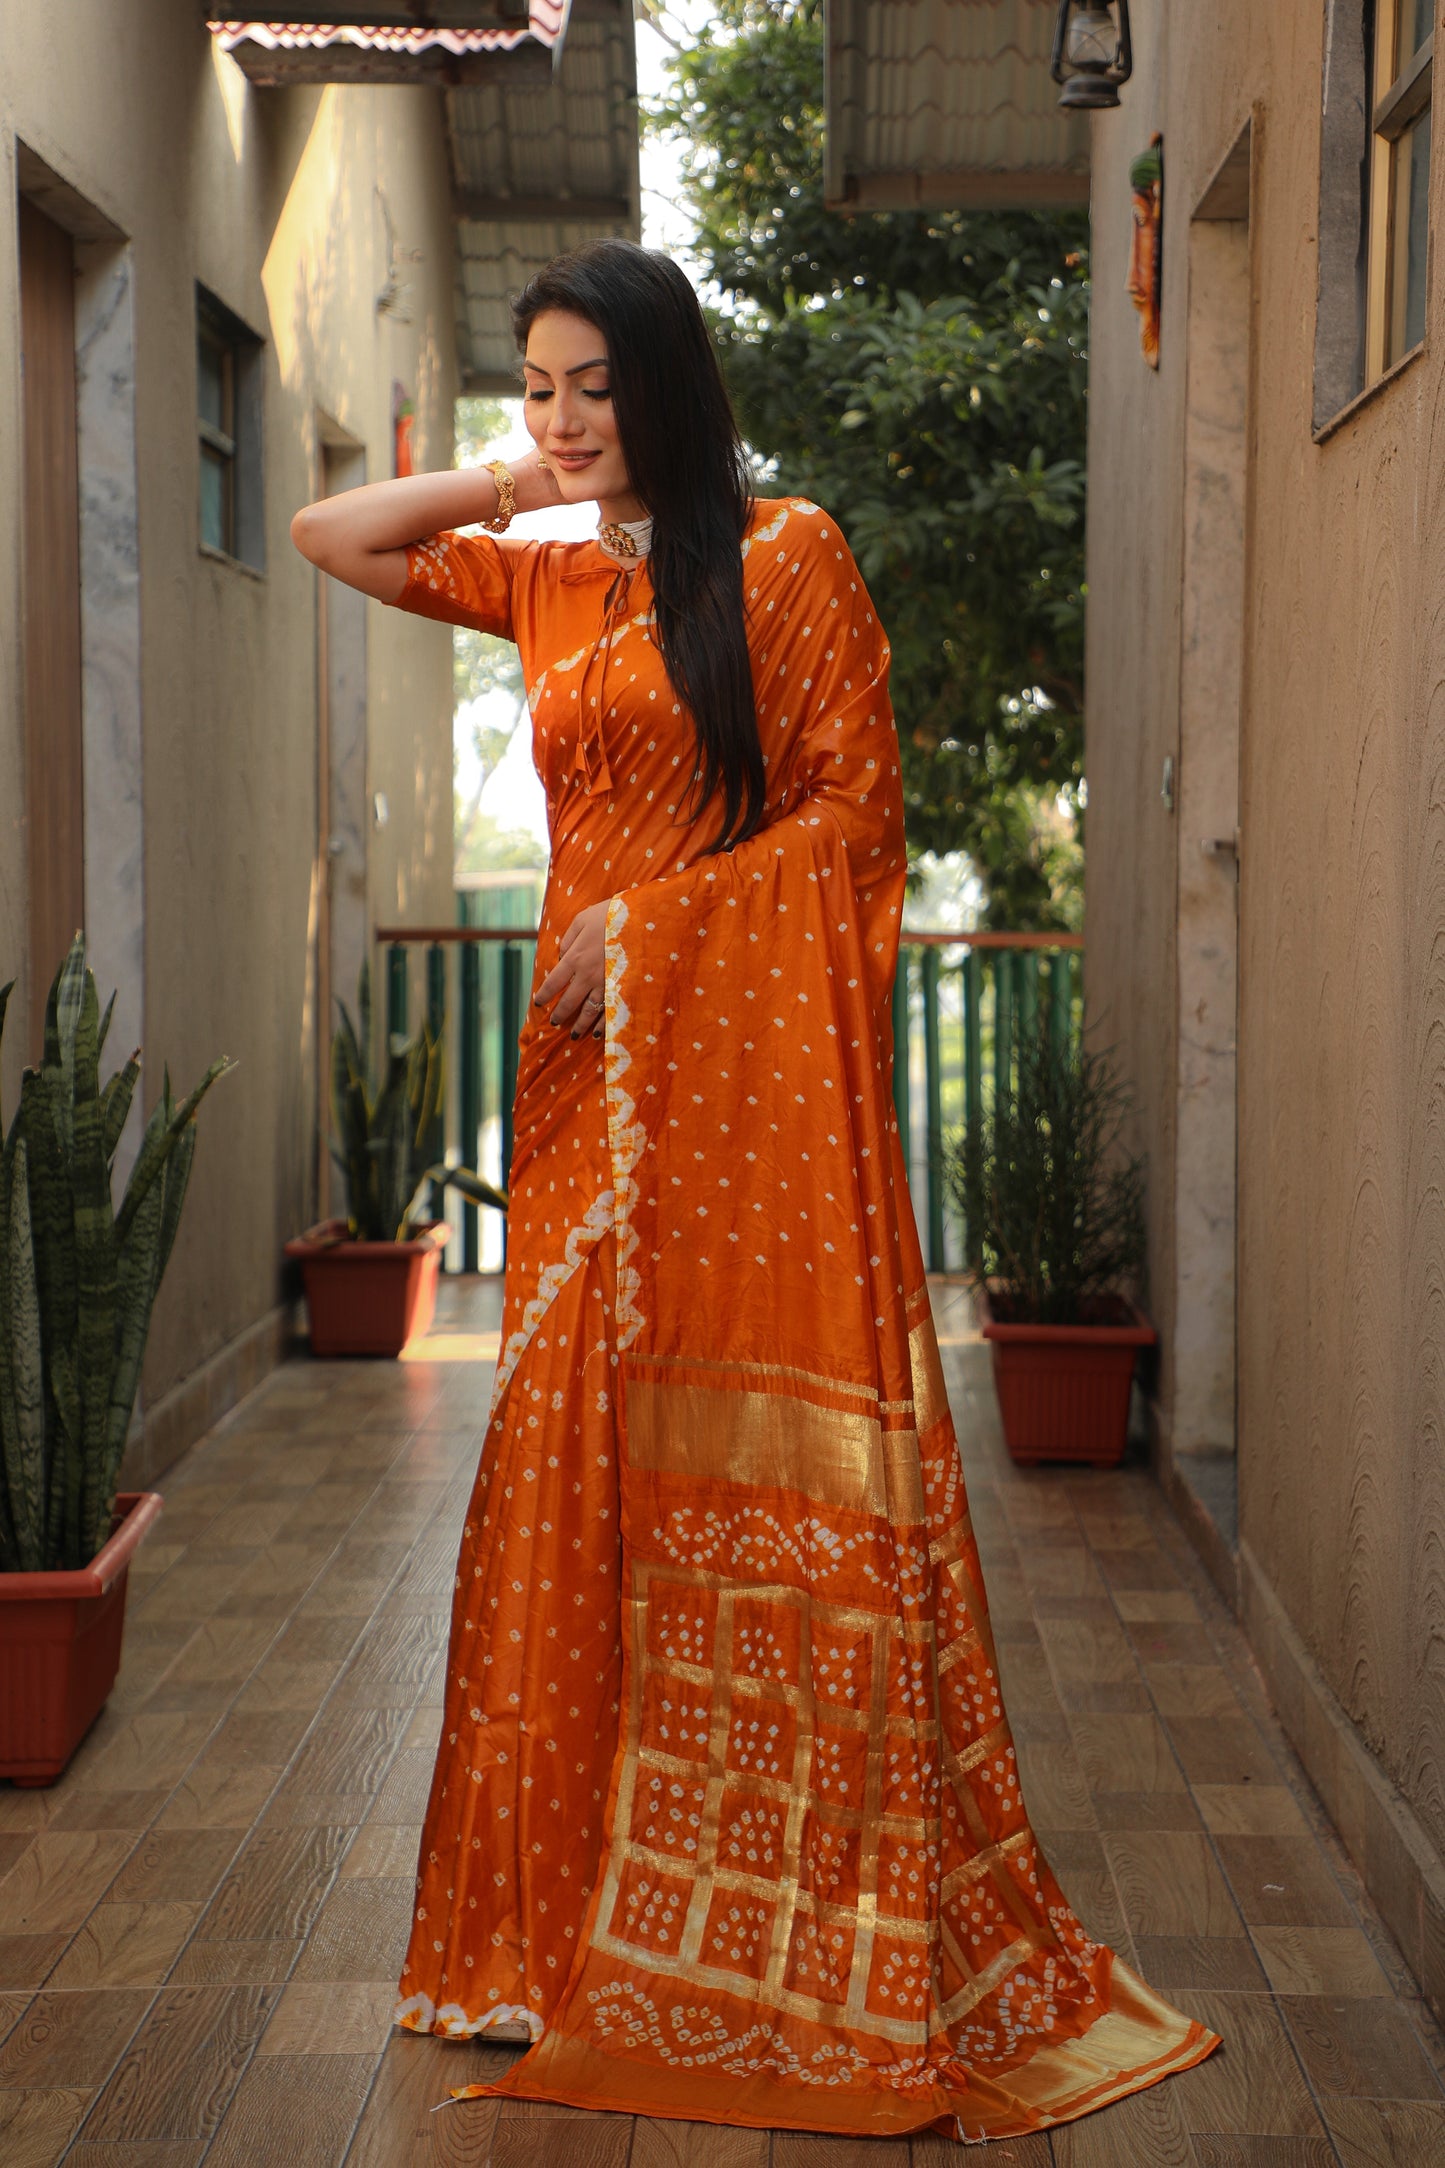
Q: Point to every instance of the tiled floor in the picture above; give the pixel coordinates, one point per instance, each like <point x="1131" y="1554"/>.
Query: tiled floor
<point x="200" y="1926"/>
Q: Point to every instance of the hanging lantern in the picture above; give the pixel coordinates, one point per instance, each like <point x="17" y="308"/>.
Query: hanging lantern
<point x="1092" y="52"/>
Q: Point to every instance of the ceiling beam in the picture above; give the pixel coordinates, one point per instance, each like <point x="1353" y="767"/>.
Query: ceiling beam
<point x="529" y="210"/>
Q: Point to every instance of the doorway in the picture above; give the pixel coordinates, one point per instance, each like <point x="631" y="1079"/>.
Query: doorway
<point x="341" y="792"/>
<point x="50" y="527"/>
<point x="1202" y="1426"/>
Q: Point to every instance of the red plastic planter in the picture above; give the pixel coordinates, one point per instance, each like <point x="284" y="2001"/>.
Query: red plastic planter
<point x="1063" y="1390"/>
<point x="368" y="1298"/>
<point x="60" y="1637"/>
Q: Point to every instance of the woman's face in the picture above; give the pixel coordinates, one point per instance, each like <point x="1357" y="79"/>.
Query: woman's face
<point x="569" y="412"/>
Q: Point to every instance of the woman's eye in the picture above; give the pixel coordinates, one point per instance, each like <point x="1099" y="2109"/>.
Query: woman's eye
<point x="597" y="394"/>
<point x="535" y="395"/>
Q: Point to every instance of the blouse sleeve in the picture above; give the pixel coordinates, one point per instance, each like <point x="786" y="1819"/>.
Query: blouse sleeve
<point x="463" y="579"/>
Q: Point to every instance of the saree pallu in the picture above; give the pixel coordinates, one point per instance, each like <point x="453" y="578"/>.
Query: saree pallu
<point x="727" y="1812"/>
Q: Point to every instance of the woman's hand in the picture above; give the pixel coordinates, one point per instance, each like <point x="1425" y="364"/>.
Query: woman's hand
<point x="576" y="981"/>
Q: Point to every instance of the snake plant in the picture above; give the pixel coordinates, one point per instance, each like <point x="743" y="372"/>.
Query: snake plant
<point x="385" y="1127"/>
<point x="78" y="1278"/>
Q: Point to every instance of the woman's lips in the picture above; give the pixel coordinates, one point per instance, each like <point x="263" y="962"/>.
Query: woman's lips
<point x="574" y="461"/>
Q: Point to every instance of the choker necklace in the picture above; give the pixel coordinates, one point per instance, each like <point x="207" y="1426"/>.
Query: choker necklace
<point x="628" y="540"/>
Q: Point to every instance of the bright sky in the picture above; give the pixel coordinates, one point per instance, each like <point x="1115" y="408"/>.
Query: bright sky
<point x="513" y="796"/>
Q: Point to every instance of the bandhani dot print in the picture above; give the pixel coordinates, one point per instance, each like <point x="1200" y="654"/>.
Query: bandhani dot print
<point x="726" y="1816"/>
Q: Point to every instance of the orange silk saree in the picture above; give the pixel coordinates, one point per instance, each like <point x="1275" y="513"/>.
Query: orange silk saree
<point x="726" y="1812"/>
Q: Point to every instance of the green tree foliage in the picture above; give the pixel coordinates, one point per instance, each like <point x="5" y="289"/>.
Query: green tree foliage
<point x="923" y="375"/>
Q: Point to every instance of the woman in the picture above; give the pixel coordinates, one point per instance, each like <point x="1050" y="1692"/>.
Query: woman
<point x="726" y="1817"/>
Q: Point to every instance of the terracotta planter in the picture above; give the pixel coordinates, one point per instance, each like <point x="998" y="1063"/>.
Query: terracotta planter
<point x="368" y="1298"/>
<point x="60" y="1637"/>
<point x="1063" y="1390"/>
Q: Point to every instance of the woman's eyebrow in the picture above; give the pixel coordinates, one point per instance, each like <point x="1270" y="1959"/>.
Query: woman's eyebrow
<point x="580" y="370"/>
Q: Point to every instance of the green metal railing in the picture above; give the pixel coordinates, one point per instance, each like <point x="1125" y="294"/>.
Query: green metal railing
<point x="961" y="1006"/>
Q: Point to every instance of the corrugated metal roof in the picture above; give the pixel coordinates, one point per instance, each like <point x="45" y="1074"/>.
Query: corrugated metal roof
<point x="457" y="41"/>
<point x="539" y="170"/>
<point x="948" y="102"/>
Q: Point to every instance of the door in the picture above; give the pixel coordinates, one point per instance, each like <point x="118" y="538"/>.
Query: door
<point x="1202" y="1415"/>
<point x="54" y="769"/>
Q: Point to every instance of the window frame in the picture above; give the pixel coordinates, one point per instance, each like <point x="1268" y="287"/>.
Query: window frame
<point x="235" y="443"/>
<point x="1401" y="95"/>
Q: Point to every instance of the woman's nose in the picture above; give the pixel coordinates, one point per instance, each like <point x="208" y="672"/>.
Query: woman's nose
<point x="566" y="420"/>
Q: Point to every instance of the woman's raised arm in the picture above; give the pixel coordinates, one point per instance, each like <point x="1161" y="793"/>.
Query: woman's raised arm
<point x="361" y="535"/>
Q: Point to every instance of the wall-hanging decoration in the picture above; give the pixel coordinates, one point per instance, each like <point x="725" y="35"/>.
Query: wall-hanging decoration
<point x="403" y="422"/>
<point x="1146" y="255"/>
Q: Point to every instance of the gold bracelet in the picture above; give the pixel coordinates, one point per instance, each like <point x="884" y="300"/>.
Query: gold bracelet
<point x="506" y="498"/>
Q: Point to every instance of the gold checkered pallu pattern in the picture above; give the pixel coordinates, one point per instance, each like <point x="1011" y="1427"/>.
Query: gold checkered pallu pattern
<point x="726" y="1815"/>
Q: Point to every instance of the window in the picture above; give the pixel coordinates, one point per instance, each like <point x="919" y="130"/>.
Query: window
<point x="1374" y="190"/>
<point x="228" y="408"/>
<point x="1399" y="179"/>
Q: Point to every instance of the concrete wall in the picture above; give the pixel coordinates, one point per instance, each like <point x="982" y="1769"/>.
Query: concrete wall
<point x="298" y="209"/>
<point x="1338" y="643"/>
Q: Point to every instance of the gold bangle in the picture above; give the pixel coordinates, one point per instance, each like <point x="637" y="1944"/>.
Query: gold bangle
<point x="506" y="498"/>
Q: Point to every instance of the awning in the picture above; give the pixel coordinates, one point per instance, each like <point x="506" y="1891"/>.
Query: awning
<point x="452" y="44"/>
<point x="541" y="111"/>
<point x="948" y="103"/>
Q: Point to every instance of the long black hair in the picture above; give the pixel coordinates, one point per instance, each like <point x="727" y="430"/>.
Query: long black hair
<point x="687" y="467"/>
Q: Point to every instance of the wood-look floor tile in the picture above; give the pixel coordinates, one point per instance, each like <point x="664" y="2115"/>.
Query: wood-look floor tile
<point x="36" y="2128"/>
<point x="1168" y="1605"/>
<point x="83" y="1808"/>
<point x="12" y="2009"/>
<point x="1319" y="1961"/>
<point x="929" y="2150"/>
<point x="330" y="2018"/>
<point x="403" y="1797"/>
<point x="293" y="1808"/>
<point x="281" y="1683"/>
<point x="276" y="1885"/>
<point x="14" y="1842"/>
<point x="1191" y="1690"/>
<point x="1222" y="1750"/>
<point x="71" y="2040"/>
<point x="1171" y="1884"/>
<point x="383" y="1852"/>
<point x="25" y="1960"/>
<point x="57" y="1880"/>
<point x="1253" y="2082"/>
<point x="1055" y="1794"/>
<point x="183" y="1865"/>
<point x="1359" y="2044"/>
<point x="23" y="1807"/>
<point x="1144" y="2130"/>
<point x="1251" y="1810"/>
<point x="1283" y="1882"/>
<point x="126" y="1945"/>
<point x="348" y="1750"/>
<point x="180" y="2070"/>
<point x="151" y="1750"/>
<point x="1239" y="2151"/>
<point x="361" y="1932"/>
<point x="1126" y="1754"/>
<point x="166" y="2153"/>
<point x="598" y="2141"/>
<point x="1136" y="1568"/>
<point x="1105" y="1697"/>
<point x="264" y="1737"/>
<point x="1168" y="1962"/>
<point x="1387" y="2133"/>
<point x="805" y="2149"/>
<point x="298" y="2108"/>
<point x="1146" y="1810"/>
<point x="398" y="2128"/>
<point x="215" y="1795"/>
<point x="224" y="1964"/>
<point x="659" y="2143"/>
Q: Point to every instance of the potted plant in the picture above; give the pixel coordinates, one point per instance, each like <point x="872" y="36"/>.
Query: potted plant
<point x="78" y="1280"/>
<point x="371" y="1278"/>
<point x="1052" y="1207"/>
